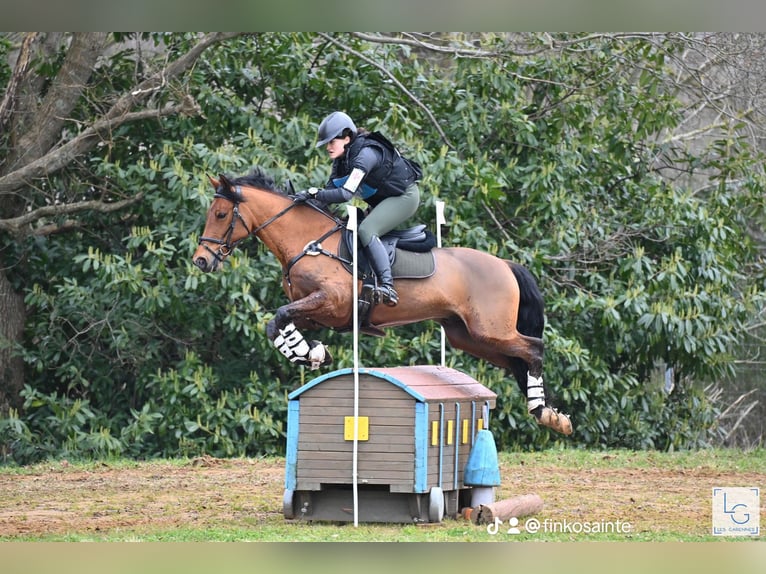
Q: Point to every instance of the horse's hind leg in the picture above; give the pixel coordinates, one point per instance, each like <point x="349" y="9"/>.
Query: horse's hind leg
<point x="528" y="373"/>
<point x="523" y="356"/>
<point x="532" y="387"/>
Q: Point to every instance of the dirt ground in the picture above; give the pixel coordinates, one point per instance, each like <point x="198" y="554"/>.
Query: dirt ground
<point x="207" y="492"/>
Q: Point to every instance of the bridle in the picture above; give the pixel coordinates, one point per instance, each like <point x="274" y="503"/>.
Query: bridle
<point x="225" y="245"/>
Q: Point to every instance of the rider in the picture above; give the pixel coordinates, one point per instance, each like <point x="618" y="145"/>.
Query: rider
<point x="366" y="164"/>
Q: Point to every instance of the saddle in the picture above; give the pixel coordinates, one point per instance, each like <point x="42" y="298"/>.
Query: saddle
<point x="415" y="239"/>
<point x="411" y="256"/>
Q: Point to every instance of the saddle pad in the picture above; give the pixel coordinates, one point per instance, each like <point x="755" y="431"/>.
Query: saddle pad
<point x="407" y="264"/>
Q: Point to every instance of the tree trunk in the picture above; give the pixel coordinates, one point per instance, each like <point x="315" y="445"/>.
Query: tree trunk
<point x="36" y="120"/>
<point x="12" y="316"/>
<point x="33" y="112"/>
<point x="39" y="118"/>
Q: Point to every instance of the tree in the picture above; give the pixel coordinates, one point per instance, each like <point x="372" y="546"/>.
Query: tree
<point x="591" y="158"/>
<point x="58" y="106"/>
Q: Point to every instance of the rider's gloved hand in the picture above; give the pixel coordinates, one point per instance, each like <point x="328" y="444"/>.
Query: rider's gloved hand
<point x="305" y="195"/>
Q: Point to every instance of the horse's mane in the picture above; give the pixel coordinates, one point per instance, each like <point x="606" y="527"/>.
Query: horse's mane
<point x="257" y="178"/>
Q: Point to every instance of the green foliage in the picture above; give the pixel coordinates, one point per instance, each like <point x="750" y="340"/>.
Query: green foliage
<point x="548" y="160"/>
<point x="192" y="412"/>
<point x="57" y="426"/>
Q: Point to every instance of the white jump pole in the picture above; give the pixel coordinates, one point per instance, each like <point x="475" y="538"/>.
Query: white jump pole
<point x="439" y="222"/>
<point x="355" y="279"/>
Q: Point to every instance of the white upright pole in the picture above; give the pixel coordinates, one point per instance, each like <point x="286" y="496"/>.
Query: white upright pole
<point x="439" y="222"/>
<point x="355" y="279"/>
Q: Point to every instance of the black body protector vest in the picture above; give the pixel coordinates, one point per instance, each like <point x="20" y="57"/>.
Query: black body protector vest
<point x="391" y="176"/>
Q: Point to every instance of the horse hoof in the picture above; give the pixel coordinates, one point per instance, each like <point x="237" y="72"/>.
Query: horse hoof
<point x="557" y="421"/>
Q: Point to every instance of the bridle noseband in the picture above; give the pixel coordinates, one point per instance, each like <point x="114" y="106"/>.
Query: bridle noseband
<point x="225" y="245"/>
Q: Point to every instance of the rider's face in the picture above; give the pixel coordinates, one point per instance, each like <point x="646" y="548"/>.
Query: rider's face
<point x="337" y="147"/>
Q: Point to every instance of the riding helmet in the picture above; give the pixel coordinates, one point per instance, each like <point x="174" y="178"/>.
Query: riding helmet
<point x="332" y="127"/>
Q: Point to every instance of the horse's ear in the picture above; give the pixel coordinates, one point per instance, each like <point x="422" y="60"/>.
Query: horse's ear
<point x="225" y="181"/>
<point x="213" y="181"/>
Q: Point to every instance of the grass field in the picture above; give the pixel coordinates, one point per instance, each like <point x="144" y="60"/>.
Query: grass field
<point x="655" y="496"/>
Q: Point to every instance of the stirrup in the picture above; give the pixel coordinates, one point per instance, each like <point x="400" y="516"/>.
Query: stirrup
<point x="388" y="295"/>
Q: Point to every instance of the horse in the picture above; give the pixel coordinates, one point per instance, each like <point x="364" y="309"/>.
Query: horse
<point x="489" y="307"/>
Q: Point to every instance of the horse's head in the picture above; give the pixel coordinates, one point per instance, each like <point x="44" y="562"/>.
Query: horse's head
<point x="224" y="228"/>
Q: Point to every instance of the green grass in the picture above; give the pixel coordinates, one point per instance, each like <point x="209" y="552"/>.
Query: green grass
<point x="733" y="460"/>
<point x="274" y="528"/>
<point x="729" y="460"/>
<point x="319" y="533"/>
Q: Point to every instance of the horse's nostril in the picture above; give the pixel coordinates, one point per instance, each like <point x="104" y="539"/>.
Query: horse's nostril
<point x="201" y="262"/>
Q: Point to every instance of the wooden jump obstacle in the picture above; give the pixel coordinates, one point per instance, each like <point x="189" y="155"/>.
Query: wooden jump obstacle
<point x="416" y="428"/>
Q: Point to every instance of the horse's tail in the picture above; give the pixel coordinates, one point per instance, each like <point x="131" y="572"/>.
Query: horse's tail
<point x="531" y="317"/>
<point x="531" y="321"/>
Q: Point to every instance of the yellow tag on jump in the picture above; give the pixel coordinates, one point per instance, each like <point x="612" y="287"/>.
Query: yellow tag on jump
<point x="363" y="428"/>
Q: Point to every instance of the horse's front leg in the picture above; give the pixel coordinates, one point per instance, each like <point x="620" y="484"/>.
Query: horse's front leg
<point x="289" y="341"/>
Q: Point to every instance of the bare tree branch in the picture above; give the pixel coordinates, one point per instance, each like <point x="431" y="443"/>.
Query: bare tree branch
<point x="48" y="117"/>
<point x="18" y="226"/>
<point x="694" y="134"/>
<point x="64" y="155"/>
<point x="415" y="40"/>
<point x="19" y="71"/>
<point x="158" y="80"/>
<point x="395" y="80"/>
<point x="498" y="226"/>
<point x="427" y="42"/>
<point x="117" y="115"/>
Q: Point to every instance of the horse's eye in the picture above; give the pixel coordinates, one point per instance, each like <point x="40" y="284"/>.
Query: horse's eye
<point x="221" y="215"/>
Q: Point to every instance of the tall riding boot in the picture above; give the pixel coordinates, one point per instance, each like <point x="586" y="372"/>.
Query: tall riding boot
<point x="376" y="254"/>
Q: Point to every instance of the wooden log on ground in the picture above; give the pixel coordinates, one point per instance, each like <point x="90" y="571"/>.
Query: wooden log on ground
<point x="504" y="510"/>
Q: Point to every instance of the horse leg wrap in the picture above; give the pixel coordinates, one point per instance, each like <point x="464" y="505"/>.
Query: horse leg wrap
<point x="546" y="416"/>
<point x="291" y="343"/>
<point x="535" y="392"/>
<point x="317" y="355"/>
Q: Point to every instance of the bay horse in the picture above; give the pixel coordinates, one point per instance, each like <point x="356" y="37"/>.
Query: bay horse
<point x="489" y="307"/>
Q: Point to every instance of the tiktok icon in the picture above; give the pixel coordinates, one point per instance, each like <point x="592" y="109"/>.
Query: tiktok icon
<point x="494" y="527"/>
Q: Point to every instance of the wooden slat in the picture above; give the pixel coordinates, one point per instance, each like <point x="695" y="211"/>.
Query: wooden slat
<point x="338" y="455"/>
<point x="333" y="422"/>
<point x="401" y="408"/>
<point x="346" y="402"/>
<point x="306" y="467"/>
<point x="339" y="420"/>
<point x="370" y="450"/>
<point x="389" y="448"/>
<point x="331" y="388"/>
<point x="341" y="386"/>
<point x="330" y="437"/>
<point x="377" y="433"/>
<point x="397" y="486"/>
<point x="333" y="476"/>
